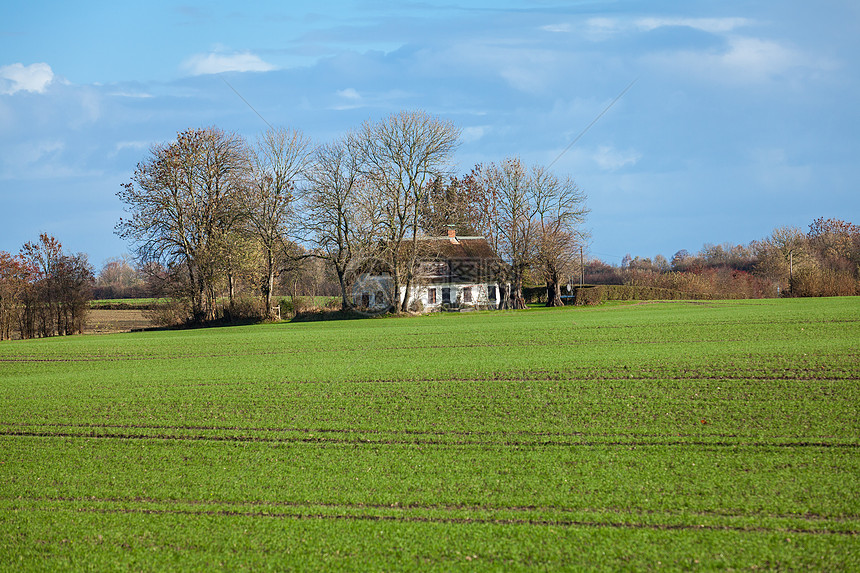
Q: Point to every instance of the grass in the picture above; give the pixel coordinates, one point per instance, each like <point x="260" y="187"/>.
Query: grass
<point x="681" y="435"/>
<point x="132" y="303"/>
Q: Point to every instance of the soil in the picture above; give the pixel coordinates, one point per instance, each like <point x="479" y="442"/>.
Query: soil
<point x="110" y="321"/>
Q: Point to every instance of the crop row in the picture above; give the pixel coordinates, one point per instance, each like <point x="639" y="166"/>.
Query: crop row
<point x="740" y="479"/>
<point x="205" y="541"/>
<point x="720" y="435"/>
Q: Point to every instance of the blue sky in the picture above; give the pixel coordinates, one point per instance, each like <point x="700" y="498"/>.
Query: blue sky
<point x="744" y="115"/>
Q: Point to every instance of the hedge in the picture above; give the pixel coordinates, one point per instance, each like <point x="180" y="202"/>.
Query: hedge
<point x="596" y="294"/>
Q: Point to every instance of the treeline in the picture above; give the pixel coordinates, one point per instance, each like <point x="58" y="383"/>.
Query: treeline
<point x="823" y="261"/>
<point x="43" y="291"/>
<point x="214" y="217"/>
<point x="124" y="278"/>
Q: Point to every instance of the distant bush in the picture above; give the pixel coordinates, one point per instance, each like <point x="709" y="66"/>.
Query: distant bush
<point x="244" y="308"/>
<point x="303" y="304"/>
<point x="824" y="282"/>
<point x="296" y="305"/>
<point x="169" y="312"/>
<point x="534" y="294"/>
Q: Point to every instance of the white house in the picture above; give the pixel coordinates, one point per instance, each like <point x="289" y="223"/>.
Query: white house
<point x="454" y="273"/>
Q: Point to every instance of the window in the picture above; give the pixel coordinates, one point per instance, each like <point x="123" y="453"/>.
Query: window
<point x="491" y="292"/>
<point x="467" y="294"/>
<point x="446" y="295"/>
<point x="431" y="296"/>
<point x="365" y="300"/>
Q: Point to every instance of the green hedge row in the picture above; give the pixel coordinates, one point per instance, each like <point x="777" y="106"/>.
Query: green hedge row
<point x="596" y="294"/>
<point x="534" y="294"/>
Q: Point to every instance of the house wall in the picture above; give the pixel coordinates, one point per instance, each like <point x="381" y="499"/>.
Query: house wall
<point x="372" y="288"/>
<point x="480" y="295"/>
<point x="369" y="287"/>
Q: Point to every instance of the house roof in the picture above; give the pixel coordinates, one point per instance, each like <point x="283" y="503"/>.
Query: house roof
<point x="461" y="248"/>
<point x="448" y="259"/>
<point x="457" y="259"/>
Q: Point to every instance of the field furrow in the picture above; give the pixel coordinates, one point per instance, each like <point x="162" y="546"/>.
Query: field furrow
<point x="725" y="434"/>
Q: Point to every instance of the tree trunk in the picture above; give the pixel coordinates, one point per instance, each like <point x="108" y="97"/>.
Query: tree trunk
<point x="504" y="296"/>
<point x="198" y="311"/>
<point x="553" y="293"/>
<point x="518" y="301"/>
<point x="395" y="294"/>
<point x="344" y="301"/>
<point x="211" y="302"/>
<point x="231" y="290"/>
<point x="404" y="307"/>
<point x="268" y="288"/>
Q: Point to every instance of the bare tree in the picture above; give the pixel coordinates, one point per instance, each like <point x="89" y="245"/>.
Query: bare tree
<point x="785" y="251"/>
<point x="532" y="219"/>
<point x="836" y="243"/>
<point x="42" y="257"/>
<point x="561" y="211"/>
<point x="334" y="223"/>
<point x="118" y="278"/>
<point x="58" y="289"/>
<point x="15" y="274"/>
<point x="184" y="203"/>
<point x="280" y="160"/>
<point x="401" y="155"/>
<point x="72" y="282"/>
<point x="454" y="204"/>
<point x="510" y="209"/>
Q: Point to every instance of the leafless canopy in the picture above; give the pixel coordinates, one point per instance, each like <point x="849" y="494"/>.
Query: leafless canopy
<point x="336" y="221"/>
<point x="400" y="155"/>
<point x="532" y="219"/>
<point x="280" y="160"/>
<point x="183" y="203"/>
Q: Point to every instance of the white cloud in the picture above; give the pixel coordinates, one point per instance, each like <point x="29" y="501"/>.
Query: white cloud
<point x="133" y="145"/>
<point x="138" y="145"/>
<point x="600" y="28"/>
<point x="216" y="63"/>
<point x="473" y="133"/>
<point x="136" y="95"/>
<point x="349" y="93"/>
<point x="525" y="68"/>
<point x="610" y="159"/>
<point x="603" y="28"/>
<point x="557" y="28"/>
<point x="773" y="170"/>
<point x="758" y="58"/>
<point x="349" y="99"/>
<point x="745" y="60"/>
<point x="30" y="159"/>
<point x="711" y="25"/>
<point x="18" y="77"/>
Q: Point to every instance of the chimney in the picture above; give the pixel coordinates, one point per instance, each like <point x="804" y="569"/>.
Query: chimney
<point x="452" y="235"/>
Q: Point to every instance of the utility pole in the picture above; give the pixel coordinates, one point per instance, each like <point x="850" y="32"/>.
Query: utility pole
<point x="790" y="271"/>
<point x="581" y="268"/>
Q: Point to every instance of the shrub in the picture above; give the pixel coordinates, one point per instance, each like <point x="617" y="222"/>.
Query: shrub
<point x="534" y="294"/>
<point x="302" y="304"/>
<point x="591" y="295"/>
<point x="169" y="312"/>
<point x="244" y="308"/>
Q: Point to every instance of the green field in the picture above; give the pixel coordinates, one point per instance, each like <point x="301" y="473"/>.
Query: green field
<point x="654" y="435"/>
